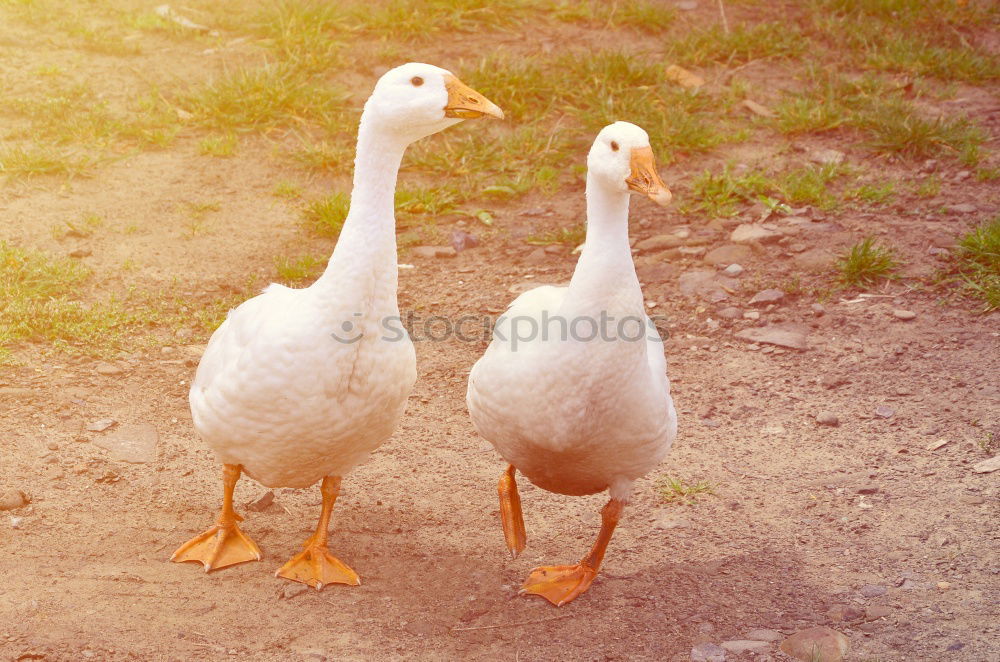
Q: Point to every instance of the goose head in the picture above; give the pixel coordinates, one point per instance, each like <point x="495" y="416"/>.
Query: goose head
<point x="622" y="159"/>
<point x="415" y="100"/>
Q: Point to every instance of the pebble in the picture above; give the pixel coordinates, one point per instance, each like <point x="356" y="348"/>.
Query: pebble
<point x="934" y="445"/>
<point x="844" y="613"/>
<point x="827" y="156"/>
<point x="817" y="309"/>
<point x="659" y="243"/>
<point x="904" y="314"/>
<point x="832" y="380"/>
<point x="730" y="313"/>
<point x="733" y="270"/>
<point x="708" y="653"/>
<point x="751" y="315"/>
<point x="108" y="369"/>
<point x="434" y="251"/>
<point x="972" y="499"/>
<point x="687" y="5"/>
<point x="536" y="257"/>
<point x="963" y="208"/>
<point x="767" y="296"/>
<point x="135" y="444"/>
<point x="746" y="646"/>
<point x="987" y="466"/>
<point x="749" y="233"/>
<point x="774" y="335"/>
<point x="667" y="521"/>
<point x="883" y="411"/>
<point x="828" y="419"/>
<point x="728" y="254"/>
<point x="12" y="499"/>
<point x="819" y="644"/>
<point x="81" y="252"/>
<point x="101" y="425"/>
<point x="872" y="590"/>
<point x="764" y="635"/>
<point x="877" y="611"/>
<point x="260" y="505"/>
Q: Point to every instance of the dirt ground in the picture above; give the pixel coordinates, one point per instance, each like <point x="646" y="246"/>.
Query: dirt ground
<point x="802" y="516"/>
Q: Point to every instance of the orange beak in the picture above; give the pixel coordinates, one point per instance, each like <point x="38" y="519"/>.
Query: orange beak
<point x="467" y="104"/>
<point x="644" y="178"/>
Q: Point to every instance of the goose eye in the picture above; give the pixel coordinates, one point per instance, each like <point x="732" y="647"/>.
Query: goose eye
<point x="417" y="81"/>
<point x="614" y="146"/>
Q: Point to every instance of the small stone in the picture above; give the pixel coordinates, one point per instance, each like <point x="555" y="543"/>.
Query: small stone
<point x="764" y="635"/>
<point x="883" y="411"/>
<point x="934" y="445"/>
<point x="872" y="590"/>
<point x="659" y="242"/>
<point x="963" y="208"/>
<point x="815" y="260"/>
<point x="844" y="613"/>
<point x="746" y="646"/>
<point x="832" y="380"/>
<point x="433" y="251"/>
<point x="166" y="350"/>
<point x="957" y="646"/>
<point x="757" y="108"/>
<point x="81" y="252"/>
<point x="748" y="233"/>
<point x="828" y="419"/>
<point x="708" y="653"/>
<point x="987" y="466"/>
<point x="819" y="644"/>
<point x="260" y="505"/>
<point x="905" y="315"/>
<point x="972" y="499"/>
<point x="912" y="585"/>
<point x="728" y="254"/>
<point x="135" y="444"/>
<point x="730" y="313"/>
<point x="797" y="248"/>
<point x="537" y="257"/>
<point x="774" y="335"/>
<point x="827" y="156"/>
<point x="767" y="296"/>
<point x="877" y="611"/>
<point x="108" y="369"/>
<point x="817" y="309"/>
<point x="943" y="586"/>
<point x="12" y="499"/>
<point x="734" y="270"/>
<point x="687" y="5"/>
<point x="101" y="425"/>
<point x="462" y="240"/>
<point x="751" y="315"/>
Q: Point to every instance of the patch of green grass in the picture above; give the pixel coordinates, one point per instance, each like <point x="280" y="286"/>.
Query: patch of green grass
<point x="336" y="156"/>
<point x="810" y="186"/>
<point x="420" y="20"/>
<point x="220" y="146"/>
<point x="640" y="14"/>
<point x="977" y="263"/>
<point x="306" y="34"/>
<point x="83" y="228"/>
<point x="874" y="194"/>
<point x="989" y="443"/>
<point x="921" y="57"/>
<point x="675" y="490"/>
<point x="987" y="174"/>
<point x="325" y="217"/>
<point x="286" y="189"/>
<point x="414" y="202"/>
<point x="807" y="113"/>
<point x="866" y="263"/>
<point x="719" y="195"/>
<point x="929" y="187"/>
<point x="259" y="98"/>
<point x="743" y="43"/>
<point x="296" y="270"/>
<point x="42" y="160"/>
<point x="571" y="236"/>
<point x="896" y="129"/>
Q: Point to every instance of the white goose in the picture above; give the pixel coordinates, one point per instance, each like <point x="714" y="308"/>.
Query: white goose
<point x="299" y="385"/>
<point x="573" y="390"/>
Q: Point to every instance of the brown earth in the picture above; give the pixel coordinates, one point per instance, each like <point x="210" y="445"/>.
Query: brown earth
<point x="802" y="515"/>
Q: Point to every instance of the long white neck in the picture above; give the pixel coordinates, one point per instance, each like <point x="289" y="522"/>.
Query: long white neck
<point x="365" y="255"/>
<point x="605" y="275"/>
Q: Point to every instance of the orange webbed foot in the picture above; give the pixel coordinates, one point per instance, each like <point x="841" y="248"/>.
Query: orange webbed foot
<point x="222" y="545"/>
<point x="317" y="567"/>
<point x="559" y="584"/>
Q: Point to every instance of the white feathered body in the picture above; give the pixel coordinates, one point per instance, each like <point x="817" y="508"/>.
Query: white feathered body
<point x="575" y="416"/>
<point x="277" y="393"/>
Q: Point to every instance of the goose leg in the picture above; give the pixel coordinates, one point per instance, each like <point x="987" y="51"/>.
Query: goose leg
<point x="223" y="544"/>
<point x="510" y="512"/>
<point x="560" y="584"/>
<point x="315" y="565"/>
